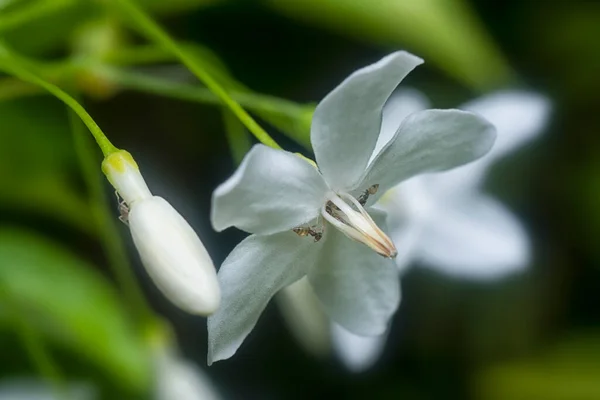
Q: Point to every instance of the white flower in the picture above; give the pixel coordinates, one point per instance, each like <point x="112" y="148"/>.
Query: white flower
<point x="180" y="379"/>
<point x="456" y="228"/>
<point x="172" y="253"/>
<point x="304" y="316"/>
<point x="445" y="220"/>
<point x="318" y="335"/>
<point x="274" y="192"/>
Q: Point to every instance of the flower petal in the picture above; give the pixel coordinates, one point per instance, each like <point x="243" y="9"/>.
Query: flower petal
<point x="400" y="105"/>
<point x="347" y="121"/>
<point x="174" y="256"/>
<point x="357" y="353"/>
<point x="272" y="191"/>
<point x="518" y="116"/>
<point x="408" y="206"/>
<point x="475" y="238"/>
<point x="427" y="141"/>
<point x="178" y="378"/>
<point x="306" y="320"/>
<point x="359" y="289"/>
<point x="254" y="272"/>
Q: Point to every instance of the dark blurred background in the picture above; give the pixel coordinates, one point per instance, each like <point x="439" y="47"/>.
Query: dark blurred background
<point x="536" y="336"/>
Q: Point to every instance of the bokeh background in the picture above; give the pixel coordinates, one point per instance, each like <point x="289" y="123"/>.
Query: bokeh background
<point x="535" y="336"/>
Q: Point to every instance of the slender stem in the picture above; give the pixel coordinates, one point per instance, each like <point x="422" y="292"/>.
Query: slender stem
<point x="106" y="224"/>
<point x="157" y="34"/>
<point x="34" y="346"/>
<point x="11" y="65"/>
<point x="160" y="86"/>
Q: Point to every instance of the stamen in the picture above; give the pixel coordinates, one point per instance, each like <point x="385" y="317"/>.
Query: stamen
<point x="357" y="225"/>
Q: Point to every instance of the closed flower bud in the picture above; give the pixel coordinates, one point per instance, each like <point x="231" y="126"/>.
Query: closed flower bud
<point x="172" y="253"/>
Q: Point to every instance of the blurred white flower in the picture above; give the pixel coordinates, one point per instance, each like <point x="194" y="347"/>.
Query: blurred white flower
<point x="286" y="202"/>
<point x="318" y="335"/>
<point x="172" y="253"/>
<point x="35" y="389"/>
<point x="455" y="227"/>
<point x="303" y="314"/>
<point x="177" y="378"/>
<point x="444" y="220"/>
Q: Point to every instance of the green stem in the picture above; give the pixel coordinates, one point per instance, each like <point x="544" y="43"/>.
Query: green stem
<point x="11" y="65"/>
<point x="163" y="87"/>
<point x="157" y="34"/>
<point x="106" y="225"/>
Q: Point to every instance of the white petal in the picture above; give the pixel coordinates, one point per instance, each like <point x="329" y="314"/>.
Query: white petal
<point x="347" y="121"/>
<point x="271" y="191"/>
<point x="475" y="238"/>
<point x="431" y="140"/>
<point x="174" y="256"/>
<point x="400" y="105"/>
<point x="409" y="207"/>
<point x="253" y="273"/>
<point x="518" y="116"/>
<point x="304" y="316"/>
<point x="180" y="379"/>
<point x="358" y="353"/>
<point x="359" y="289"/>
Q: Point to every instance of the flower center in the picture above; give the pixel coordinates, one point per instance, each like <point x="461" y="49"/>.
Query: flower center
<point x="348" y="215"/>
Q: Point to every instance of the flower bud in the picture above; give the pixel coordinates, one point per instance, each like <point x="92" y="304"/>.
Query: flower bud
<point x="172" y="253"/>
<point x="174" y="256"/>
<point x="123" y="173"/>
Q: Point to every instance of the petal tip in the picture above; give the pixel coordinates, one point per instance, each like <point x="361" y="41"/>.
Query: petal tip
<point x="405" y="54"/>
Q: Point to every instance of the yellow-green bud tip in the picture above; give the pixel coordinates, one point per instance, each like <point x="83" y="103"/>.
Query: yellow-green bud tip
<point x="124" y="175"/>
<point x="118" y="162"/>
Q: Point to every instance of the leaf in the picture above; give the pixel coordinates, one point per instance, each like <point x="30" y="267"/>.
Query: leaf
<point x="237" y="137"/>
<point x="36" y="159"/>
<point x="71" y="304"/>
<point x="444" y="32"/>
<point x="39" y="26"/>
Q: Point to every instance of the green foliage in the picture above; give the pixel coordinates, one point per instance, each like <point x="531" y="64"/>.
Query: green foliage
<point x="36" y="157"/>
<point x="444" y="32"/>
<point x="566" y="371"/>
<point x="72" y="305"/>
<point x="237" y="137"/>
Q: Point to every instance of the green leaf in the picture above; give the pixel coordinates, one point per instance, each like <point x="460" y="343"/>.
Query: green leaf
<point x="176" y="6"/>
<point x="36" y="160"/>
<point x="71" y="304"/>
<point x="443" y="32"/>
<point x="237" y="137"/>
<point x="38" y="26"/>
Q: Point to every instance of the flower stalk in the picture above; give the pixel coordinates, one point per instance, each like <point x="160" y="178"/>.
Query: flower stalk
<point x="154" y="32"/>
<point x="10" y="63"/>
